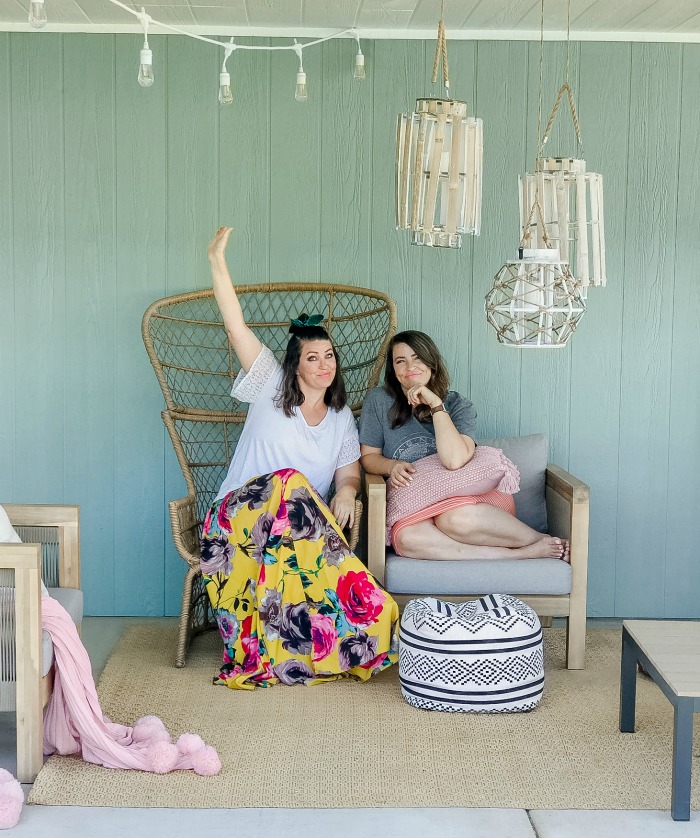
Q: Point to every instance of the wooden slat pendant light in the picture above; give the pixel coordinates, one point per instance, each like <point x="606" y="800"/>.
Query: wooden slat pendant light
<point x="439" y="154"/>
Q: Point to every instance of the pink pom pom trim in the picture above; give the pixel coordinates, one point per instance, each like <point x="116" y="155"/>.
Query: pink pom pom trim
<point x="188" y="743"/>
<point x="11" y="800"/>
<point x="206" y="761"/>
<point x="150" y="732"/>
<point x="154" y="719"/>
<point x="162" y="757"/>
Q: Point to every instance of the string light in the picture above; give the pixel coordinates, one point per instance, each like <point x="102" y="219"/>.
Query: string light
<point x="225" y="93"/>
<point x="37" y="14"/>
<point x="146" y="57"/>
<point x="359" y="73"/>
<point x="226" y="96"/>
<point x="301" y="94"/>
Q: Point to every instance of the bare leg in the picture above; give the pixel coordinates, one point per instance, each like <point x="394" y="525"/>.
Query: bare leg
<point x="488" y="526"/>
<point x="426" y="540"/>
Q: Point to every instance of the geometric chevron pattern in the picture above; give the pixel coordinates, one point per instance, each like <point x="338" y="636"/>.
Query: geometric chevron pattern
<point x="483" y="656"/>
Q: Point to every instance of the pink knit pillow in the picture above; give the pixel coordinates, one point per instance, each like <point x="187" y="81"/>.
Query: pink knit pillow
<point x="488" y="469"/>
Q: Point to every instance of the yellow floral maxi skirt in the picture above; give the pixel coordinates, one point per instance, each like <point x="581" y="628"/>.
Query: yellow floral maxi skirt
<point x="293" y="603"/>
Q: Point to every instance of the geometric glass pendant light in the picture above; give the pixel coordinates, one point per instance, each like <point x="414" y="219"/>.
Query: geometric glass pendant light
<point x="439" y="160"/>
<point x="535" y="301"/>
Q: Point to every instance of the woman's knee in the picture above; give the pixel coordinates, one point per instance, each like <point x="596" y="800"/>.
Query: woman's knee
<point x="402" y="541"/>
<point x="460" y="521"/>
<point x="413" y="540"/>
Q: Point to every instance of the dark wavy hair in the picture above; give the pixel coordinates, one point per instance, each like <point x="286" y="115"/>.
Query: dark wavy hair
<point x="290" y="394"/>
<point x="425" y="348"/>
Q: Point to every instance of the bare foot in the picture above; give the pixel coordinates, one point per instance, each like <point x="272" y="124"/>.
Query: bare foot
<point x="566" y="556"/>
<point x="548" y="547"/>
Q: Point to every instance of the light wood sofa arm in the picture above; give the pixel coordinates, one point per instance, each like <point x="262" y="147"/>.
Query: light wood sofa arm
<point x="66" y="519"/>
<point x="568" y="500"/>
<point x="375" y="488"/>
<point x="25" y="560"/>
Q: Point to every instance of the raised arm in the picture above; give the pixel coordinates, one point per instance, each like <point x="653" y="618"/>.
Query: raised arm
<point x="244" y="342"/>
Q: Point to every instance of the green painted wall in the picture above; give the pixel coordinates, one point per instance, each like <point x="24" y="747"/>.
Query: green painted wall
<point x="109" y="194"/>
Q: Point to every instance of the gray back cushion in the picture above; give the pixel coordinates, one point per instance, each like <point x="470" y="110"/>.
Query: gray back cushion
<point x="529" y="453"/>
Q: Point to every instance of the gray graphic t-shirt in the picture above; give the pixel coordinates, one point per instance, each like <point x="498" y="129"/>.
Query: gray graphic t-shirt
<point x="413" y="440"/>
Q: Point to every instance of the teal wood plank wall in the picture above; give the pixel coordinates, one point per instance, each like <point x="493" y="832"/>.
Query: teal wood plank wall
<point x="109" y="195"/>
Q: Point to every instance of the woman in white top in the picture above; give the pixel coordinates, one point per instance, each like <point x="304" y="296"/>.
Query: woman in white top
<point x="294" y="605"/>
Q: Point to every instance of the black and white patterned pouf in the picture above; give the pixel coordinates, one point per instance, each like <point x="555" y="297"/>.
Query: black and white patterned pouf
<point x="483" y="656"/>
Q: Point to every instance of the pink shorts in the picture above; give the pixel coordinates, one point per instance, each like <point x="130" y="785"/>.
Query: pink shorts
<point x="494" y="497"/>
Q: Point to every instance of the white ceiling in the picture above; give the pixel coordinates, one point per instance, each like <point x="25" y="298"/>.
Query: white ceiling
<point x="617" y="20"/>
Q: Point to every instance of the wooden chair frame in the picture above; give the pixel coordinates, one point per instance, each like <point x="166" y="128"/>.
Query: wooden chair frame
<point x="567" y="500"/>
<point x="33" y="689"/>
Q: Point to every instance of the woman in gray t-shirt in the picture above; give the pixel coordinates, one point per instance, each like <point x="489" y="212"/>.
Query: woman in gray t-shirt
<point x="415" y="415"/>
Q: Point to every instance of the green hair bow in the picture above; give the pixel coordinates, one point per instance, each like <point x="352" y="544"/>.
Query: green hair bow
<point x="304" y="320"/>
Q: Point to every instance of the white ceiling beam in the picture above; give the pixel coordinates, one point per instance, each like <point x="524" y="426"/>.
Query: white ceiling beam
<point x="370" y="34"/>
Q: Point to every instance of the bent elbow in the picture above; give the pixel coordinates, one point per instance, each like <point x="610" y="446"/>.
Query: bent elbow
<point x="454" y="463"/>
<point x="366" y="463"/>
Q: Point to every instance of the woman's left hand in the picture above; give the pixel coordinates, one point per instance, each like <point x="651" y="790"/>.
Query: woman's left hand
<point x="342" y="506"/>
<point x="422" y="395"/>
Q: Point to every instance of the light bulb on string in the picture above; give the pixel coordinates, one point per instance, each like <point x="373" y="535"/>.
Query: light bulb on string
<point x="359" y="73"/>
<point x="146" y="56"/>
<point x="225" y="92"/>
<point x="301" y="94"/>
<point x="37" y="14"/>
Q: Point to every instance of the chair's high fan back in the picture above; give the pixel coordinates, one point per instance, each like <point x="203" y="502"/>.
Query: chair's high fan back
<point x="195" y="366"/>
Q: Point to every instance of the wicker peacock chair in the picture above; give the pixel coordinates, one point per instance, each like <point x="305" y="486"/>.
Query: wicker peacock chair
<point x="195" y="366"/>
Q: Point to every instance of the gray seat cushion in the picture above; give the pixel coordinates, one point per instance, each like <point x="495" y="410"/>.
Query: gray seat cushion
<point x="529" y="453"/>
<point x="72" y="600"/>
<point x="474" y="577"/>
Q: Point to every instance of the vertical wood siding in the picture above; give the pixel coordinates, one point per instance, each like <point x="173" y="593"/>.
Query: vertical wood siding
<point x="110" y="194"/>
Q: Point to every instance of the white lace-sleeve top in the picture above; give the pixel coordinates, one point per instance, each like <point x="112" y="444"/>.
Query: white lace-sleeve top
<point x="271" y="441"/>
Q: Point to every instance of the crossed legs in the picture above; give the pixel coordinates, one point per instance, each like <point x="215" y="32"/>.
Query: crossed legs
<point x="478" y="531"/>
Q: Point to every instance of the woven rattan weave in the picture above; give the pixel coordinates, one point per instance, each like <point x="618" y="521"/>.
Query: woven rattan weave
<point x="195" y="366"/>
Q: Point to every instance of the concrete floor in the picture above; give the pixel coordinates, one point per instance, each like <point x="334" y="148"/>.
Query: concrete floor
<point x="101" y="633"/>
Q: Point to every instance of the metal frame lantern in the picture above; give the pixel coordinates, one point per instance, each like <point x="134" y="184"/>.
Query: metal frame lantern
<point x="439" y="161"/>
<point x="535" y="301"/>
<point x="439" y="153"/>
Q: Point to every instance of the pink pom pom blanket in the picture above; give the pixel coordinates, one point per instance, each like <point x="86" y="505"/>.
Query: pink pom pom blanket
<point x="74" y="724"/>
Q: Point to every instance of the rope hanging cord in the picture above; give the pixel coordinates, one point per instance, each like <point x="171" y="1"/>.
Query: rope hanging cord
<point x="565" y="88"/>
<point x="536" y="207"/>
<point x="441" y="52"/>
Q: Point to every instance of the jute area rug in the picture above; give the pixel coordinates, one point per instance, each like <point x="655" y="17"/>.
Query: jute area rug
<point x="347" y="744"/>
